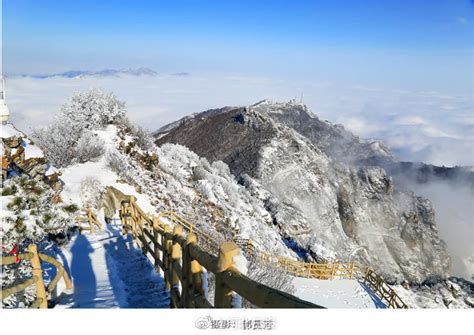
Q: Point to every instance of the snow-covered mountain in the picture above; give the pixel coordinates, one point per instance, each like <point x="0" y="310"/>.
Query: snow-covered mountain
<point x="320" y="205"/>
<point x="270" y="184"/>
<point x="333" y="139"/>
<point x="142" y="71"/>
<point x="173" y="177"/>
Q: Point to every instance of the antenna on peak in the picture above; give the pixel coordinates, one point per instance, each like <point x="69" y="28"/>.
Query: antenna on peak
<point x="301" y="97"/>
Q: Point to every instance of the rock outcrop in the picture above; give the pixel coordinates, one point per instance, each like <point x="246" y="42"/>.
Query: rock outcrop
<point x="21" y="156"/>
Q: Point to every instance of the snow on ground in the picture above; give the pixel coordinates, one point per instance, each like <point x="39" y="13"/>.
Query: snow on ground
<point x="74" y="174"/>
<point x="108" y="135"/>
<point x="449" y="293"/>
<point x="32" y="151"/>
<point x="343" y="293"/>
<point x="50" y="170"/>
<point x="109" y="272"/>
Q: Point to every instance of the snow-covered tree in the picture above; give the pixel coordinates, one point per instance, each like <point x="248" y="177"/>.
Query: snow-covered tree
<point x="33" y="211"/>
<point x="91" y="192"/>
<point x="88" y="147"/>
<point x="142" y="137"/>
<point x="116" y="162"/>
<point x="93" y="109"/>
<point x="58" y="141"/>
<point x="68" y="137"/>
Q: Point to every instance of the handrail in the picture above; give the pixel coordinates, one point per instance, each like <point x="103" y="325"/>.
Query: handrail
<point x="339" y="270"/>
<point x="182" y="261"/>
<point x="42" y="293"/>
<point x="90" y="218"/>
<point x="7" y="260"/>
<point x="61" y="273"/>
<point x="18" y="287"/>
<point x="326" y="270"/>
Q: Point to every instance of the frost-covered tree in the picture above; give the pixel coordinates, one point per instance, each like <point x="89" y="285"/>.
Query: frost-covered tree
<point x="66" y="139"/>
<point x="142" y="137"/>
<point x="91" y="192"/>
<point x="93" y="109"/>
<point x="33" y="211"/>
<point x="58" y="142"/>
<point x="89" y="146"/>
<point x="116" y="162"/>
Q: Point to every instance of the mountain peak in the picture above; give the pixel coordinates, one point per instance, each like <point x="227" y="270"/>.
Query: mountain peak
<point x="292" y="106"/>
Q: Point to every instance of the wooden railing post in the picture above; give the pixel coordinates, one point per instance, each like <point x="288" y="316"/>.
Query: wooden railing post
<point x="333" y="270"/>
<point x="133" y="217"/>
<point x="223" y="294"/>
<point x="128" y="222"/>
<point x="198" y="294"/>
<point x="93" y="219"/>
<point x="176" y="255"/>
<point x="140" y="227"/>
<point x="122" y="211"/>
<point x="187" y="287"/>
<point x="89" y="221"/>
<point x="37" y="272"/>
<point x="198" y="287"/>
<point x="167" y="251"/>
<point x="156" y="249"/>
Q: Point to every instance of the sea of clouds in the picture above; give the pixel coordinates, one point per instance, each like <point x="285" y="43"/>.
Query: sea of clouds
<point x="432" y="127"/>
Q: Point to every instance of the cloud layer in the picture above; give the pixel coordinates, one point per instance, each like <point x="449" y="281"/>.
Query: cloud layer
<point x="432" y="127"/>
<point x="418" y="126"/>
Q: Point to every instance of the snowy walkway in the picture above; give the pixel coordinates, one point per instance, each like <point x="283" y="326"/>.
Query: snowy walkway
<point x="109" y="272"/>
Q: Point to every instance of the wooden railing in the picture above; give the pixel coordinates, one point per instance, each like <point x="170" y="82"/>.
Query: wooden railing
<point x="382" y="290"/>
<point x="175" y="218"/>
<point x="42" y="292"/>
<point x="324" y="271"/>
<point x="327" y="270"/>
<point x="90" y="219"/>
<point x="182" y="261"/>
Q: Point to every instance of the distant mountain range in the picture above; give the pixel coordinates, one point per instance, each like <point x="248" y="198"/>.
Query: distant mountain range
<point x="142" y="71"/>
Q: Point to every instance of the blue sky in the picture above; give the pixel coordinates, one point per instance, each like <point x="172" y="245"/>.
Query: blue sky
<point x="400" y="71"/>
<point x="400" y="44"/>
